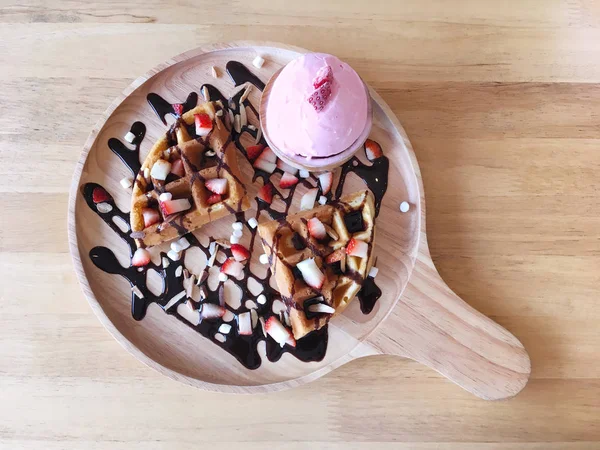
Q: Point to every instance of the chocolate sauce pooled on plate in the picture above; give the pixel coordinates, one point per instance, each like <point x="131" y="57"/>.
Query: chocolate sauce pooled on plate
<point x="131" y="158"/>
<point x="313" y="346"/>
<point x="162" y="107"/>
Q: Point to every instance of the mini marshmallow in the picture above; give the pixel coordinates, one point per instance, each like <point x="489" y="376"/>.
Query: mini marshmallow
<point x="184" y="243"/>
<point x="225" y="328"/>
<point x="264" y="259"/>
<point x="238" y="233"/>
<point x="237" y="225"/>
<point x="261" y="299"/>
<point x="126" y="183"/>
<point x="174" y="256"/>
<point x="373" y="272"/>
<point x="130" y="137"/>
<point x="258" y="62"/>
<point x="404" y="207"/>
<point x="304" y="173"/>
<point x="176" y="247"/>
<point x="252" y="222"/>
<point x="104" y="207"/>
<point x="165" y="197"/>
<point x="322" y="200"/>
<point x="223" y="277"/>
<point x="234" y="239"/>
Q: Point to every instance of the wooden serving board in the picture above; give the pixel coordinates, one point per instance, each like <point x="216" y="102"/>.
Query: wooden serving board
<point x="417" y="317"/>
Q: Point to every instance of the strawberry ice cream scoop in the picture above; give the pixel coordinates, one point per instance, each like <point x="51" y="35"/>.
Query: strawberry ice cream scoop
<point x="317" y="108"/>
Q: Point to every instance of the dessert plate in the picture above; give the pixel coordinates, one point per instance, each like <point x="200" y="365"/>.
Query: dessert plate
<point x="417" y="316"/>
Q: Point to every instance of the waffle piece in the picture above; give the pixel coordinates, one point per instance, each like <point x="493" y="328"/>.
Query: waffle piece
<point x="180" y="166"/>
<point x="312" y="269"/>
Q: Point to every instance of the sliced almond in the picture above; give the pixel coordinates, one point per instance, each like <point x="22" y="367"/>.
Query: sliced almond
<point x="321" y="308"/>
<point x="205" y="94"/>
<point x="331" y="232"/>
<point x="246" y="93"/>
<point x="213" y="71"/>
<point x="343" y="263"/>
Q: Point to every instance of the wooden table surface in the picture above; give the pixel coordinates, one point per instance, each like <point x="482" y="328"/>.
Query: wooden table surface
<point x="501" y="101"/>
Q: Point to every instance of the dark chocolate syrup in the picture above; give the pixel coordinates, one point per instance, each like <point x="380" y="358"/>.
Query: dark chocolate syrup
<point x="368" y="295"/>
<point x="313" y="346"/>
<point x="162" y="107"/>
<point x="375" y="177"/>
<point x="131" y="158"/>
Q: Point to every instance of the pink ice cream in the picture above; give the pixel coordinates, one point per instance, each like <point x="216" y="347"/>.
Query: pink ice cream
<point x="295" y="126"/>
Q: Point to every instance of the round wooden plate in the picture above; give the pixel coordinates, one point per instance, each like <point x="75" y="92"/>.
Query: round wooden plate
<point x="417" y="317"/>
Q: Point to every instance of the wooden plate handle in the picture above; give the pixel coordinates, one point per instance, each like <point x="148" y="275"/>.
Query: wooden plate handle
<point x="432" y="325"/>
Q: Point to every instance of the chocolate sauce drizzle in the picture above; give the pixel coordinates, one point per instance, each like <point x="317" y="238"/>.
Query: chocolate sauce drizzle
<point x="162" y="107"/>
<point x="313" y="346"/>
<point x="131" y="158"/>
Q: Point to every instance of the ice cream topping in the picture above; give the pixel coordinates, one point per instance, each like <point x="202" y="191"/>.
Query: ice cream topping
<point x="317" y="108"/>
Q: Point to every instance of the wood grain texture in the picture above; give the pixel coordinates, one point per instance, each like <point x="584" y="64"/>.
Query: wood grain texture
<point x="501" y="107"/>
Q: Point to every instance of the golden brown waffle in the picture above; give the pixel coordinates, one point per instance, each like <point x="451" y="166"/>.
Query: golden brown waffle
<point x="204" y="158"/>
<point x="343" y="279"/>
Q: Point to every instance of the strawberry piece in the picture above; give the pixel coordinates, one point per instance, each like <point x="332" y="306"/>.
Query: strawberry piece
<point x="174" y="206"/>
<point x="140" y="258"/>
<point x="99" y="195"/>
<point x="316" y="228"/>
<point x="335" y="256"/>
<point x="326" y="180"/>
<point x="240" y="253"/>
<point x="203" y="124"/>
<point x="265" y="193"/>
<point x="318" y="99"/>
<point x="233" y="268"/>
<point x="254" y="151"/>
<point x="286" y="167"/>
<point x="357" y="248"/>
<point x="151" y="216"/>
<point x="178" y="109"/>
<point x="280" y="334"/>
<point x="211" y="311"/>
<point x="308" y="199"/>
<point x="177" y="168"/>
<point x="264" y="165"/>
<point x="311" y="273"/>
<point x="215" y="198"/>
<point x="269" y="155"/>
<point x="287" y="180"/>
<point x="324" y="75"/>
<point x="373" y="150"/>
<point x="216" y="185"/>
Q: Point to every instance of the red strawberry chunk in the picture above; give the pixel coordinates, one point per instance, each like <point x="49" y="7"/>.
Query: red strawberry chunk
<point x="287" y="180"/>
<point x="178" y="109"/>
<point x="324" y="75"/>
<point x="265" y="193"/>
<point x="316" y="228"/>
<point x="318" y="99"/>
<point x="240" y="253"/>
<point x="140" y="258"/>
<point x="357" y="248"/>
<point x="216" y="185"/>
<point x="326" y="180"/>
<point x="233" y="268"/>
<point x="177" y="168"/>
<point x="373" y="150"/>
<point x="174" y="206"/>
<point x="151" y="216"/>
<point x="215" y="198"/>
<point x="254" y="151"/>
<point x="203" y="124"/>
<point x="280" y="333"/>
<point x="99" y="195"/>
